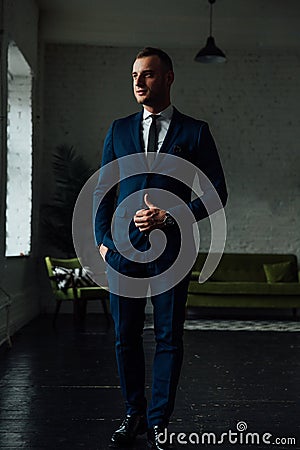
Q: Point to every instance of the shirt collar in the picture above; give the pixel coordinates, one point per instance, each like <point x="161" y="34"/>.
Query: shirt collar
<point x="165" y="114"/>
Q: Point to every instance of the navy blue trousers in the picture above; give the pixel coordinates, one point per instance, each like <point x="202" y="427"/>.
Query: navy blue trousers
<point x="129" y="316"/>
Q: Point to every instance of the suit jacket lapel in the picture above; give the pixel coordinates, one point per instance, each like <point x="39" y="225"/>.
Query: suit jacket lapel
<point x="136" y="137"/>
<point x="169" y="141"/>
<point x="136" y="131"/>
<point x="172" y="133"/>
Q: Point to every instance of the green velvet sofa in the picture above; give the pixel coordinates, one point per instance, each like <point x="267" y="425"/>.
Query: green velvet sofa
<point x="247" y="280"/>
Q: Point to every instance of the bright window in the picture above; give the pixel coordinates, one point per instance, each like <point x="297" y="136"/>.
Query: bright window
<point x="19" y="155"/>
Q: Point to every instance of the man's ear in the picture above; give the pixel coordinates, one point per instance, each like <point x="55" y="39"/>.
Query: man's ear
<point x="170" y="77"/>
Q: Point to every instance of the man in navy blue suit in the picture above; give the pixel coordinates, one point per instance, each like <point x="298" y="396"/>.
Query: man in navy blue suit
<point x="159" y="129"/>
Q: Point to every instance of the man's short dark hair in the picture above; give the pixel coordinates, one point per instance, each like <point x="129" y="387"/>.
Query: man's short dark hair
<point x="163" y="56"/>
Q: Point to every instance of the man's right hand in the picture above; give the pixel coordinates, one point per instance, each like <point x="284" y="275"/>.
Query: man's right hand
<point x="103" y="250"/>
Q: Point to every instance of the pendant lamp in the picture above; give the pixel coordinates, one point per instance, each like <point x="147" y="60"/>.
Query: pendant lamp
<point x="210" y="53"/>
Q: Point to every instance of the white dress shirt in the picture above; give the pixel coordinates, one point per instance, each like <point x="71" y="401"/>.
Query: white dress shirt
<point x="162" y="124"/>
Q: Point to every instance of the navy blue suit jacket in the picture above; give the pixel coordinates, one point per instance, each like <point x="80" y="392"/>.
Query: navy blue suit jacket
<point x="186" y="138"/>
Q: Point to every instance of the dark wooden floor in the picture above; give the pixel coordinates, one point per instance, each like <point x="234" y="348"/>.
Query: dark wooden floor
<point x="60" y="389"/>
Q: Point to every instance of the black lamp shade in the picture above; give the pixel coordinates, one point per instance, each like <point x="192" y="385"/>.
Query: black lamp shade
<point x="210" y="53"/>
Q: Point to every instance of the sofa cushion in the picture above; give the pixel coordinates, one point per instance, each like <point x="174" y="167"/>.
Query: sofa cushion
<point x="67" y="278"/>
<point x="244" y="287"/>
<point x="244" y="266"/>
<point x="279" y="272"/>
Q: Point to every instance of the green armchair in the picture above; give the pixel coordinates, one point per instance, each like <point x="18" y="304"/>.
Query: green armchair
<point x="78" y="294"/>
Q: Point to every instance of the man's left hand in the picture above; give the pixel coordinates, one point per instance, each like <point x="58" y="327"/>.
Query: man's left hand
<point x="148" y="219"/>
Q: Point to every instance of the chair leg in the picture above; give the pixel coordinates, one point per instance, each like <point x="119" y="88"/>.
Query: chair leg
<point x="57" y="308"/>
<point x="7" y="326"/>
<point x="79" y="312"/>
<point x="105" y="310"/>
<point x="295" y="315"/>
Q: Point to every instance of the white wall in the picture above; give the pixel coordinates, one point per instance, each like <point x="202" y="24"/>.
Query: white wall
<point x="18" y="275"/>
<point x="251" y="104"/>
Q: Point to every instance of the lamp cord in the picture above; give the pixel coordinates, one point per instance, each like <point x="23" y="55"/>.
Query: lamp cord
<point x="211" y="16"/>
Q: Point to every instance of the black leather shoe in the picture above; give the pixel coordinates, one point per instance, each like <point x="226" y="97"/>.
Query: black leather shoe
<point x="131" y="426"/>
<point x="158" y="438"/>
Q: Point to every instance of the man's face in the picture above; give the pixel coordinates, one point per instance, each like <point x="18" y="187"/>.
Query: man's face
<point x="151" y="82"/>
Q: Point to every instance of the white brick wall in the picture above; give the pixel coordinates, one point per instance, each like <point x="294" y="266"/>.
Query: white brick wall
<point x="251" y="104"/>
<point x="18" y="275"/>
